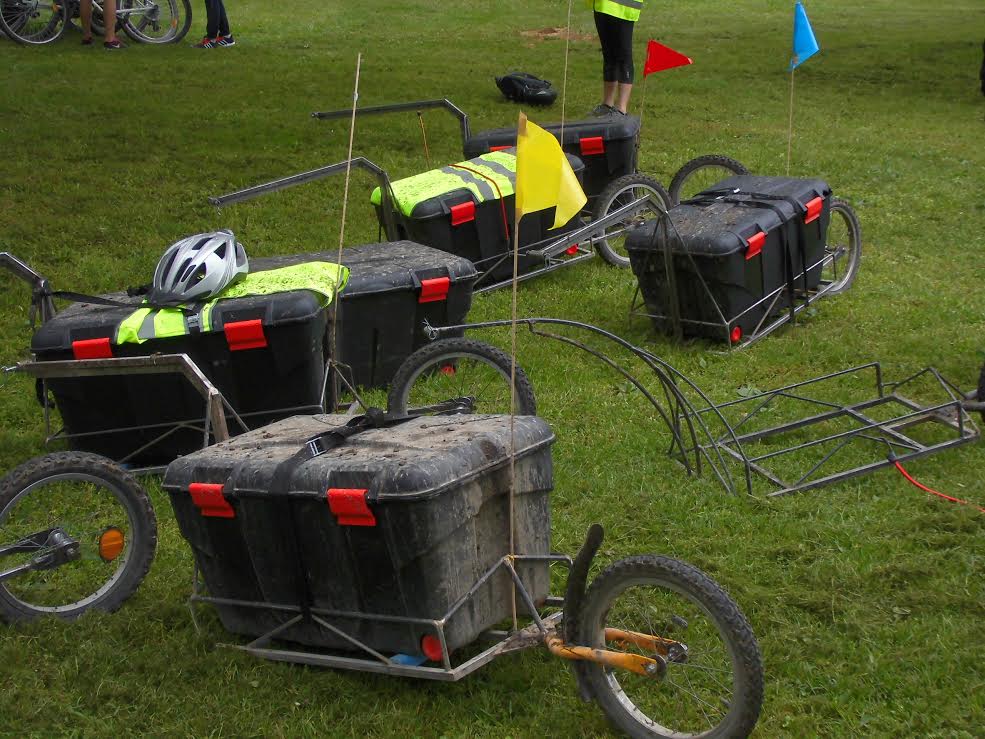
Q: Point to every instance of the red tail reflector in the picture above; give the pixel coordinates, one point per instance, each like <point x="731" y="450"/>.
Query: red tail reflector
<point x="92" y="349"/>
<point x="462" y="213"/>
<point x="592" y="145"/>
<point x="736" y="335"/>
<point x="242" y="335"/>
<point x="210" y="501"/>
<point x="571" y="250"/>
<point x="756" y="244"/>
<point x="349" y="507"/>
<point x="501" y="147"/>
<point x="431" y="648"/>
<point x="434" y="290"/>
<point x="813" y="209"/>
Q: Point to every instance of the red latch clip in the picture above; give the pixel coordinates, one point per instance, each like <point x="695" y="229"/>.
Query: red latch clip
<point x="756" y="244"/>
<point x="245" y="335"/>
<point x="462" y="213"/>
<point x="501" y="147"/>
<point x="92" y="349"/>
<point x="434" y="290"/>
<point x="592" y="145"/>
<point x="349" y="507"/>
<point x="210" y="501"/>
<point x="813" y="209"/>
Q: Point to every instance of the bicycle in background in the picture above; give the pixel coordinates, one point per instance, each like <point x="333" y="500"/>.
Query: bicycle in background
<point x="144" y="21"/>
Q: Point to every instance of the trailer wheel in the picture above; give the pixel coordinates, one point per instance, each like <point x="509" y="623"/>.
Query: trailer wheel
<point x="620" y="192"/>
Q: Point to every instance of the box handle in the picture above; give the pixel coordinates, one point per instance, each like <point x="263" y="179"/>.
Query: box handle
<point x="434" y="290"/>
<point x="242" y="335"/>
<point x="756" y="243"/>
<point x="592" y="145"/>
<point x="92" y="349"/>
<point x="462" y="213"/>
<point x="349" y="507"/>
<point x="813" y="209"/>
<point x="210" y="501"/>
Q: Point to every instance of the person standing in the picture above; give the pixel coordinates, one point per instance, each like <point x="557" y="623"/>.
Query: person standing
<point x="110" y="41"/>
<point x="216" y="27"/>
<point x="614" y="21"/>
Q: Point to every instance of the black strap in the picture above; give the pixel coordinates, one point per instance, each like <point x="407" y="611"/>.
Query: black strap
<point x="101" y="300"/>
<point x="374" y="418"/>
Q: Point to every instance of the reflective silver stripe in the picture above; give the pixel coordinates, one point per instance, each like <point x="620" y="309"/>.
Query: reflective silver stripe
<point x="634" y="4"/>
<point x="485" y="189"/>
<point x="500" y="169"/>
<point x="146" y="330"/>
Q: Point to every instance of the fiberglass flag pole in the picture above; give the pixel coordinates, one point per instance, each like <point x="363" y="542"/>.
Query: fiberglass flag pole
<point x="804" y="47"/>
<point x="659" y="58"/>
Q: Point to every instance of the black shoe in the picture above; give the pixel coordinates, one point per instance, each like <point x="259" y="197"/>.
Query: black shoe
<point x="225" y="41"/>
<point x="601" y="110"/>
<point x="114" y="45"/>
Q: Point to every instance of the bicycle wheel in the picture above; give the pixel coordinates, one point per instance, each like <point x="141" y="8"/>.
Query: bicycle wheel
<point x="843" y="244"/>
<point x="156" y="21"/>
<point x="709" y="676"/>
<point x="33" y="21"/>
<point x="458" y="368"/>
<point x="80" y="527"/>
<point x="620" y="192"/>
<point x="702" y="173"/>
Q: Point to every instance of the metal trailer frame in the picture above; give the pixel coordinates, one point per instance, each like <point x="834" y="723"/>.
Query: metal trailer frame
<point x="563" y="251"/>
<point x="704" y="434"/>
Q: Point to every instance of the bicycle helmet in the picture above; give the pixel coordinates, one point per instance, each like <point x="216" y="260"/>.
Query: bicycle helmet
<point x="198" y="267"/>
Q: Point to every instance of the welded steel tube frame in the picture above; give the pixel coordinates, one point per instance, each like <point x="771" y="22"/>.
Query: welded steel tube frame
<point x="442" y="103"/>
<point x="534" y="634"/>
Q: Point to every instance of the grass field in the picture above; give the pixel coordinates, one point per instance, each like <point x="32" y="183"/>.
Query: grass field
<point x="867" y="597"/>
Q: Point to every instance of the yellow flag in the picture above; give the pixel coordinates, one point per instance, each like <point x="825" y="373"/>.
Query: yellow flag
<point x="544" y="179"/>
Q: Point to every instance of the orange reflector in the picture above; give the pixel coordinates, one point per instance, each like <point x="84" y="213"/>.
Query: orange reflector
<point x="736" y="335"/>
<point x="448" y="369"/>
<point x="111" y="543"/>
<point x="571" y="250"/>
<point x="431" y="647"/>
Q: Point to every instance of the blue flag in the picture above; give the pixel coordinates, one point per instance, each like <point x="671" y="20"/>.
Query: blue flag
<point x="804" y="44"/>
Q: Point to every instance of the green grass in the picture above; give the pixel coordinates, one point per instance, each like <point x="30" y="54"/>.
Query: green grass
<point x="867" y="597"/>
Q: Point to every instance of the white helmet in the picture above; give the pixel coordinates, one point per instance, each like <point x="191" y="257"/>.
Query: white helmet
<point x="197" y="268"/>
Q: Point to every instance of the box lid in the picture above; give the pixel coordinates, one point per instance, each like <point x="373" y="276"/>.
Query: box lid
<point x="86" y="321"/>
<point x="721" y="221"/>
<point x="609" y="129"/>
<point x="416" y="460"/>
<point x="387" y="266"/>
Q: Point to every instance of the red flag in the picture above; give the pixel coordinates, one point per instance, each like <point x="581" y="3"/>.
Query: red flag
<point x="660" y="57"/>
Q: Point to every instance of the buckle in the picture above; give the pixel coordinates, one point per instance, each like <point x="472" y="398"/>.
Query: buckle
<point x="315" y="446"/>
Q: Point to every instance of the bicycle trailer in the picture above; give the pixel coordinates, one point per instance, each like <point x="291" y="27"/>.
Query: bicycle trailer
<point x="468" y="209"/>
<point x="607" y="146"/>
<point x="740" y="252"/>
<point x="393" y="525"/>
<point x="393" y="289"/>
<point x="266" y="353"/>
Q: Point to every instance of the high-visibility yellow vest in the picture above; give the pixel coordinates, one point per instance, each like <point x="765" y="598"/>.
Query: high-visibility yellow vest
<point x="487" y="177"/>
<point x="323" y="278"/>
<point x="626" y="9"/>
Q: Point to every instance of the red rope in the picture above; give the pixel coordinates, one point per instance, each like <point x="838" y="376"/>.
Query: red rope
<point x="931" y="490"/>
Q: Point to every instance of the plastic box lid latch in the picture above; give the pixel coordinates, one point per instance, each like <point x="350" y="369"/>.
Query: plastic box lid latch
<point x="92" y="349"/>
<point x="242" y="335"/>
<point x="501" y="147"/>
<point x="755" y="244"/>
<point x="592" y="146"/>
<point x="349" y="507"/>
<point x="434" y="290"/>
<point x="210" y="501"/>
<point x="462" y="213"/>
<point x="813" y="209"/>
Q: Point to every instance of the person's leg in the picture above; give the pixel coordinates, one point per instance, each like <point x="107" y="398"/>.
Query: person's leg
<point x="109" y="21"/>
<point x="85" y="17"/>
<point x="623" y="54"/>
<point x="603" y="25"/>
<point x="211" y="18"/>
<point x="223" y="20"/>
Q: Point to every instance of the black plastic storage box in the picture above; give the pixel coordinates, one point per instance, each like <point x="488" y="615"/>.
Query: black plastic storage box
<point x="266" y="354"/>
<point x="749" y="238"/>
<point x="396" y="522"/>
<point x="467" y="209"/>
<point x="393" y="289"/>
<point x="607" y="146"/>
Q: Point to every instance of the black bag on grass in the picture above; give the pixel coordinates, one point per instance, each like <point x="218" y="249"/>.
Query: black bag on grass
<point x="521" y="87"/>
